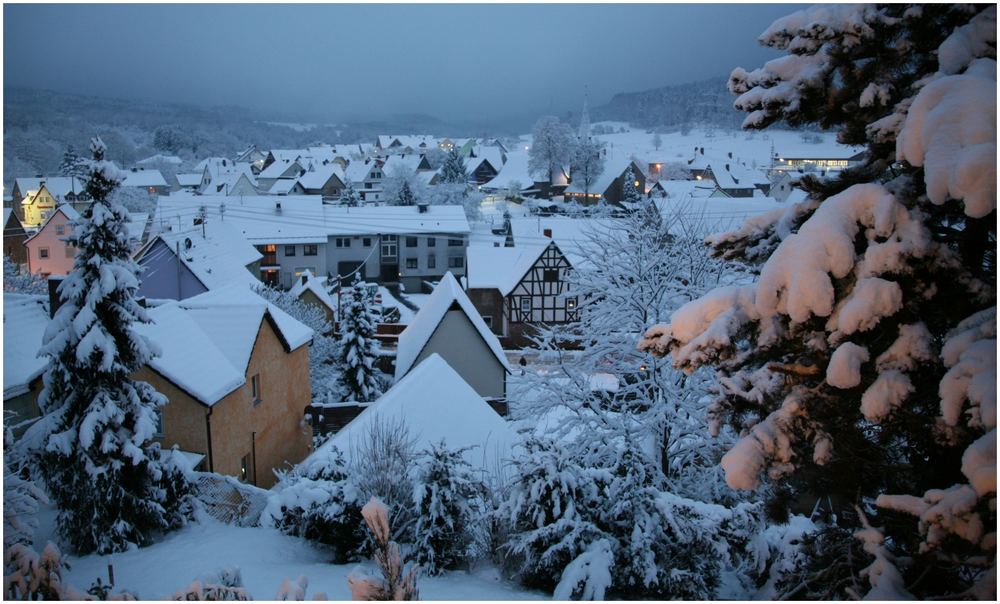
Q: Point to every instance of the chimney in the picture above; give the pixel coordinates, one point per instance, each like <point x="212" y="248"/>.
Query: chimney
<point x="547" y="233"/>
<point x="422" y="207"/>
<point x="277" y="207"/>
<point x="54" y="300"/>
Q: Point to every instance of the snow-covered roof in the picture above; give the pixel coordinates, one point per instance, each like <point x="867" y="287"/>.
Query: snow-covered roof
<point x="190" y="179"/>
<point x="401" y="164"/>
<point x="435" y="403"/>
<point x="283" y="186"/>
<point x="160" y="159"/>
<point x="24" y="323"/>
<point x="358" y="171"/>
<point x="425" y="323"/>
<point x="206" y="341"/>
<point x="260" y="220"/>
<point x="735" y="177"/>
<point x="217" y="255"/>
<point x="614" y="167"/>
<point x="395" y="220"/>
<point x="65" y="209"/>
<point x="317" y="285"/>
<point x="225" y="182"/>
<point x="808" y="150"/>
<point x="58" y="186"/>
<point x="500" y="268"/>
<point x="143" y="178"/>
<point x="320" y="175"/>
<point x="514" y="171"/>
<point x="279" y="167"/>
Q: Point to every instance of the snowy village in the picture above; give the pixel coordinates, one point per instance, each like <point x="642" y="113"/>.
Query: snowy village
<point x="730" y="340"/>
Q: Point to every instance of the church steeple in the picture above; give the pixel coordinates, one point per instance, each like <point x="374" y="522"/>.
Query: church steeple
<point x="584" y="132"/>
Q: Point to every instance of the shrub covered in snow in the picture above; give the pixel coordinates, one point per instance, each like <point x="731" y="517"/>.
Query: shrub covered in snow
<point x="93" y="446"/>
<point x="450" y="510"/>
<point x="869" y="338"/>
<point x="318" y="501"/>
<point x="395" y="582"/>
<point x="20" y="281"/>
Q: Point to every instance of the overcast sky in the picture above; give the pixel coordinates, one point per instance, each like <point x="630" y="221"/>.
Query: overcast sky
<point x="455" y="62"/>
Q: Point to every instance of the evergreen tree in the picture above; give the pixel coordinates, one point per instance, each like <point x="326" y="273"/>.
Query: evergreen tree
<point x="72" y="164"/>
<point x="405" y="195"/>
<point x="349" y="195"/>
<point x="849" y="364"/>
<point x="449" y="508"/>
<point x="453" y="169"/>
<point x="632" y="196"/>
<point x="357" y="348"/>
<point x="93" y="446"/>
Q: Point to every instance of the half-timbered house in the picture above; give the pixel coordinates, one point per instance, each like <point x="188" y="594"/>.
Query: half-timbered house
<point x="516" y="288"/>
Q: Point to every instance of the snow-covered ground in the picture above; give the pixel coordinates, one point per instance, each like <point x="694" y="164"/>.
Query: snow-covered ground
<point x="265" y="558"/>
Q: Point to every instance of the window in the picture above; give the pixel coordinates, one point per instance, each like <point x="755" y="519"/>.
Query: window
<point x="289" y="250"/>
<point x="342" y="242"/>
<point x="366" y="241"/>
<point x="488" y="320"/>
<point x="271" y="248"/>
<point x="159" y="422"/>
<point x="255" y="388"/>
<point x="389" y="246"/>
<point x="456" y="242"/>
<point x="432" y="261"/>
<point x="310" y="250"/>
<point x="411" y="263"/>
<point x="60" y="229"/>
<point x="411" y="242"/>
<point x="456" y="262"/>
<point x="432" y="241"/>
<point x="245" y="468"/>
<point x="571" y="303"/>
<point x="43" y="252"/>
<point x="525" y="303"/>
<point x="550" y="275"/>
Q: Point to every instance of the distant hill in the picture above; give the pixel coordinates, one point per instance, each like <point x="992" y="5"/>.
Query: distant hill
<point x="707" y="102"/>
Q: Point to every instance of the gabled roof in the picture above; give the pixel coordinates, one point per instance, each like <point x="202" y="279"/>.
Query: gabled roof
<point x="257" y="218"/>
<point x="217" y="255"/>
<point x="416" y="335"/>
<point x="436" y="404"/>
<point x="65" y="209"/>
<point x="206" y="341"/>
<point x="24" y="321"/>
<point x="160" y="159"/>
<point x="514" y="171"/>
<point x="190" y="179"/>
<point x="279" y="167"/>
<point x="613" y="168"/>
<point x="308" y="282"/>
<point x="320" y="175"/>
<point x="500" y="268"/>
<point x="401" y="164"/>
<point x="58" y="186"/>
<point x="143" y="178"/>
<point x="735" y="177"/>
<point x="283" y="186"/>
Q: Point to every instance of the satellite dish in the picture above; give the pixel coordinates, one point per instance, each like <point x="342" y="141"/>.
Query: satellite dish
<point x="187" y="243"/>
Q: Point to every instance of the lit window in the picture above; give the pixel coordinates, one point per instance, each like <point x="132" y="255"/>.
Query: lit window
<point x="245" y="468"/>
<point x="571" y="303"/>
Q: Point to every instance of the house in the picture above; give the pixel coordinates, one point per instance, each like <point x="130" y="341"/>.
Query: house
<point x="730" y="180"/>
<point x="405" y="144"/>
<point x="513" y="179"/>
<point x="286" y="186"/>
<point x="61" y="188"/>
<point x="394" y="244"/>
<point x="608" y="185"/>
<point x="815" y="157"/>
<point x="233" y="184"/>
<point x="326" y="180"/>
<point x="449" y="325"/>
<point x="367" y="179"/>
<point x="24" y="321"/>
<point x="253" y="156"/>
<point x="36" y="206"/>
<point x="290" y="169"/>
<point x="191" y="181"/>
<point x="514" y="288"/>
<point x="434" y="404"/>
<point x="47" y="253"/>
<point x="313" y="290"/>
<point x="480" y="170"/>
<point x="150" y="181"/>
<point x="235" y="371"/>
<point x="14" y="237"/>
<point x="179" y="264"/>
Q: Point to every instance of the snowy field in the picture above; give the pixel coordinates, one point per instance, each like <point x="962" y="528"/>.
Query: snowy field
<point x="265" y="558"/>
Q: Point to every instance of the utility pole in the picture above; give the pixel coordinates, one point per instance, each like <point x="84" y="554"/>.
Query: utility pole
<point x="177" y="245"/>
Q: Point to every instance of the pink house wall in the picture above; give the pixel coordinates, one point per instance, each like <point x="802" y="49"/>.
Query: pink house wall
<point x="61" y="255"/>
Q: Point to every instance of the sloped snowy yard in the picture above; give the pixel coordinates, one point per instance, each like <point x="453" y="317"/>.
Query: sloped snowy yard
<point x="265" y="558"/>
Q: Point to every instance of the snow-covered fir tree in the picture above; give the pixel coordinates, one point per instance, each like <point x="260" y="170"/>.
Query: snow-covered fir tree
<point x="405" y="195"/>
<point x="324" y="375"/>
<point x="449" y="511"/>
<point x="349" y="195"/>
<point x="453" y="169"/>
<point x="632" y="196"/>
<point x="551" y="148"/>
<point x="356" y="361"/>
<point x="93" y="446"/>
<point x="860" y="367"/>
<point x="18" y="280"/>
<point x="72" y="164"/>
<point x="586" y="163"/>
